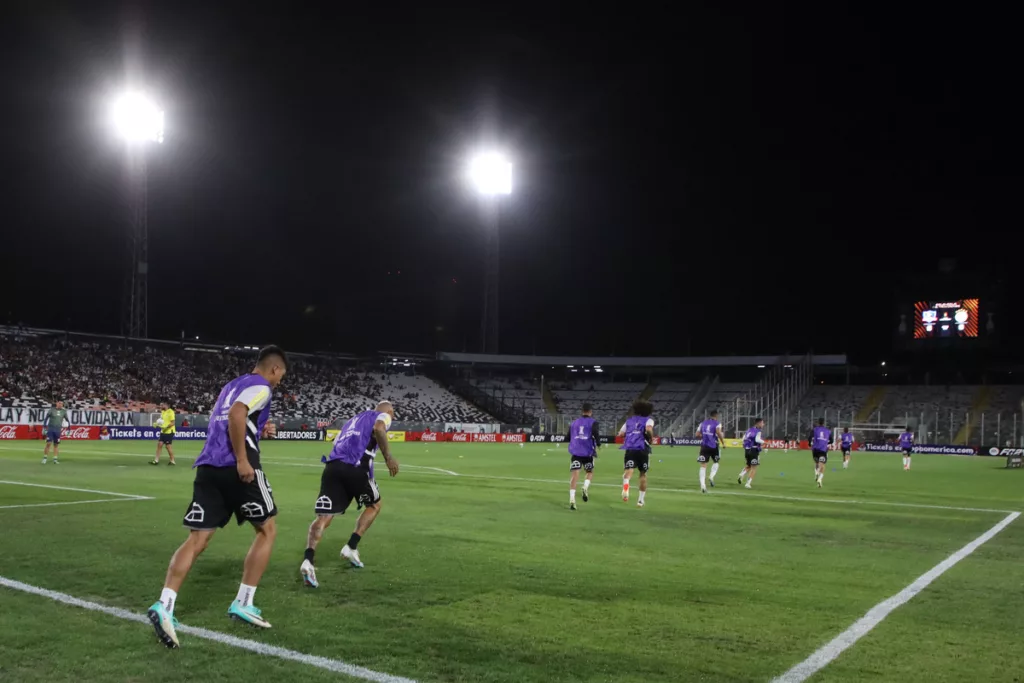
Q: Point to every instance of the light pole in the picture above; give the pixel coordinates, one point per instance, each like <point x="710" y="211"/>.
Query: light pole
<point x="137" y="121"/>
<point x="490" y="174"/>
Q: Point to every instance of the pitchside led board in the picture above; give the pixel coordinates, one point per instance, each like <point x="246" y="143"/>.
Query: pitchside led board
<point x="947" y="319"/>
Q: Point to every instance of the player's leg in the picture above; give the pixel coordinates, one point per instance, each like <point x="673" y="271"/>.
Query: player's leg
<point x="907" y="467"/>
<point x="56" y="450"/>
<point x="307" y="570"/>
<point x="46" y="447"/>
<point x="573" y="478"/>
<point x="170" y="454"/>
<point x="589" y="468"/>
<point x="627" y="473"/>
<point x="161" y="613"/>
<point x="750" y="477"/>
<point x="255" y="504"/>
<point x="363" y="487"/>
<point x="159" y="446"/>
<point x="643" y="488"/>
<point x="714" y="468"/>
<point x="703" y="460"/>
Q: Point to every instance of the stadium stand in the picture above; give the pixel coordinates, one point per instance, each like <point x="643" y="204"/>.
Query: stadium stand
<point x="610" y="400"/>
<point x="34" y="372"/>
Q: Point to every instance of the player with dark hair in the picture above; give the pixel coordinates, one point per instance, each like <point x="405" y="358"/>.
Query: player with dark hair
<point x="907" y="446"/>
<point x="711" y="441"/>
<point x="583" y="440"/>
<point x="846" y="443"/>
<point x="56" y="417"/>
<point x="752" y="445"/>
<point x="167" y="430"/>
<point x="229" y="481"/>
<point x="348" y="476"/>
<point x="638" y="431"/>
<point x="820" y="438"/>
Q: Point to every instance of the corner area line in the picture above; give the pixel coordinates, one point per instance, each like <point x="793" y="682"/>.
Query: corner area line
<point x="335" y="665"/>
<point x="860" y="628"/>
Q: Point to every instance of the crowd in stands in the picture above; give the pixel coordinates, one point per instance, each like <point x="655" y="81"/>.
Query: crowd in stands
<point x="38" y="371"/>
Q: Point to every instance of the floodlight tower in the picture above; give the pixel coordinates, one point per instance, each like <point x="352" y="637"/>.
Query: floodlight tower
<point x="137" y="122"/>
<point x="490" y="173"/>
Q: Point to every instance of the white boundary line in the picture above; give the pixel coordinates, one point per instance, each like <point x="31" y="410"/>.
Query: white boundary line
<point x="74" y="502"/>
<point x="743" y="494"/>
<point x="70" y="488"/>
<point x="860" y="628"/>
<point x="335" y="665"/>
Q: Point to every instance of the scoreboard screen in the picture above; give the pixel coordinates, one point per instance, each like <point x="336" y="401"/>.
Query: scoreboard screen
<point x="936" y="319"/>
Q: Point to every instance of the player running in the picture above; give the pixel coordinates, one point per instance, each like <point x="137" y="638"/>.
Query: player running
<point x="166" y="424"/>
<point x="638" y="431"/>
<point x="54" y="422"/>
<point x="752" y="445"/>
<point x="348" y="476"/>
<point x="819" y="438"/>
<point x="711" y="441"/>
<point x="582" y="440"/>
<point x="846" y="443"/>
<point x="906" y="445"/>
<point x="229" y="481"/>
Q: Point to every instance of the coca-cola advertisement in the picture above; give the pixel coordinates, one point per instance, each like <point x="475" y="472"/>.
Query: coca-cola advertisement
<point x="26" y="432"/>
<point x="460" y="436"/>
<point x="425" y="436"/>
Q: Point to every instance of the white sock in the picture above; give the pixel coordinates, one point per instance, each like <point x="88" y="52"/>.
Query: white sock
<point x="168" y="598"/>
<point x="743" y="473"/>
<point x="572" y="495"/>
<point x="245" y="594"/>
<point x="750" y="480"/>
<point x="586" y="484"/>
<point x="904" y="461"/>
<point x="908" y="463"/>
<point x="641" y="499"/>
<point x="714" y="471"/>
<point x="702" y="474"/>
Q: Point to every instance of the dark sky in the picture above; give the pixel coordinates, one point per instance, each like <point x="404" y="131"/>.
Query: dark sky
<point x="701" y="181"/>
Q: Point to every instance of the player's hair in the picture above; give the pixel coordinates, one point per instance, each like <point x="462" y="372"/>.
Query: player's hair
<point x="846" y="430"/>
<point x="714" y="413"/>
<point x="907" y="428"/>
<point x="587" y="407"/>
<point x="270" y="351"/>
<point x="642" y="408"/>
<point x="821" y="421"/>
<point x="760" y="419"/>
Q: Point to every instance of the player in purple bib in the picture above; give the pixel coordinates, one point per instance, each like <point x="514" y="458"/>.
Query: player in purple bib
<point x="846" y="444"/>
<point x="229" y="482"/>
<point x="582" y="440"/>
<point x="711" y="441"/>
<point x="907" y="446"/>
<point x="348" y="476"/>
<point x="638" y="435"/>
<point x="752" y="445"/>
<point x="820" y="438"/>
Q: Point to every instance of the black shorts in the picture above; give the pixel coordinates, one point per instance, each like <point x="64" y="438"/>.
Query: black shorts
<point x="908" y="451"/>
<point x="707" y="454"/>
<point x="820" y="456"/>
<point x="218" y="493"/>
<point x="342" y="483"/>
<point x="753" y="457"/>
<point x="581" y="462"/>
<point x="846" y="450"/>
<point x="637" y="460"/>
<point x="166" y="438"/>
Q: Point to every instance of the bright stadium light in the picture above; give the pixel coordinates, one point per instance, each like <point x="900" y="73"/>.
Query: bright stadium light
<point x="137" y="119"/>
<point x="491" y="173"/>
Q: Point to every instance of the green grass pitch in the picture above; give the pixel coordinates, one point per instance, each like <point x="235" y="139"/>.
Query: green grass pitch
<point x="488" y="576"/>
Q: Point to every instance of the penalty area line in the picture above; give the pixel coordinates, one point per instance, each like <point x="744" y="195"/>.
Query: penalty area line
<point x="127" y="496"/>
<point x="860" y="628"/>
<point x="334" y="665"/>
<point x="75" y="502"/>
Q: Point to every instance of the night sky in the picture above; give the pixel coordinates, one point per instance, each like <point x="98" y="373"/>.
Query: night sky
<point x="693" y="182"/>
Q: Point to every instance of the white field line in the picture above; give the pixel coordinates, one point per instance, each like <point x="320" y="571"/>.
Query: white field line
<point x="74" y="502"/>
<point x="744" y="494"/>
<point x="860" y="628"/>
<point x="335" y="665"/>
<point x="131" y="496"/>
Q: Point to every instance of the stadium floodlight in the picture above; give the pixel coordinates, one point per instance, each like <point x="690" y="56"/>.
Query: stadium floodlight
<point x="137" y="119"/>
<point x="490" y="173"/>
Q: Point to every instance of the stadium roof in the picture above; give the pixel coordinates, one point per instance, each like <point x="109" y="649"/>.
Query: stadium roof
<point x="637" y="361"/>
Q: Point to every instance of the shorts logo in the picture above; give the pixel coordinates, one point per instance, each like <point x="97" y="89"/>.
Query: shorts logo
<point x="576" y="464"/>
<point x="252" y="510"/>
<point x="754" y="462"/>
<point x="630" y="464"/>
<point x="196" y="515"/>
<point x="323" y="503"/>
<point x="365" y="499"/>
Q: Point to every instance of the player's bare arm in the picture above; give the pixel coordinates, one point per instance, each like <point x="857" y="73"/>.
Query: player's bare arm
<point x="380" y="431"/>
<point x="237" y="417"/>
<point x="721" y="436"/>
